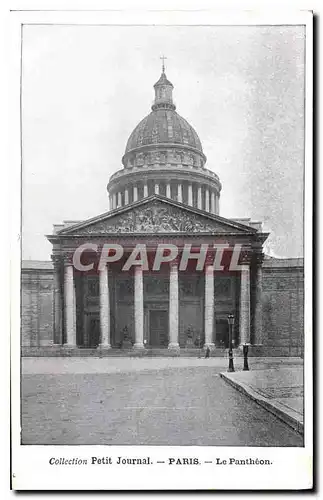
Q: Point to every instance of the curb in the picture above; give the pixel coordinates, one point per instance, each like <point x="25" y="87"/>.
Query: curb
<point x="274" y="408"/>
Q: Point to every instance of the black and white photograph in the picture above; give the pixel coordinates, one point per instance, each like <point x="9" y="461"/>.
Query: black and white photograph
<point x="161" y="263"/>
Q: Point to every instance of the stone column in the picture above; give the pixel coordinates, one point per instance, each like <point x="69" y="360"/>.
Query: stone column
<point x="209" y="306"/>
<point x="69" y="304"/>
<point x="74" y="305"/>
<point x="139" y="308"/>
<point x="114" y="201"/>
<point x="168" y="191"/>
<point x="135" y="193"/>
<point x="57" y="302"/>
<point x="199" y="197"/>
<point x="156" y="188"/>
<point x="179" y="193"/>
<point x="245" y="304"/>
<point x="126" y="197"/>
<point x="213" y="202"/>
<point x="119" y="200"/>
<point x="207" y="200"/>
<point x="104" y="308"/>
<point x="258" y="339"/>
<point x="173" y="306"/>
<point x="217" y="207"/>
<point x="190" y="195"/>
<point x="145" y="190"/>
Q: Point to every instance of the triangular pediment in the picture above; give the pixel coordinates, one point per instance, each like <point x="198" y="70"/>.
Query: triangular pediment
<point x="156" y="214"/>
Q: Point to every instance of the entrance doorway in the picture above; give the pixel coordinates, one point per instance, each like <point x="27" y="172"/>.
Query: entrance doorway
<point x="93" y="330"/>
<point x="158" y="328"/>
<point x="222" y="333"/>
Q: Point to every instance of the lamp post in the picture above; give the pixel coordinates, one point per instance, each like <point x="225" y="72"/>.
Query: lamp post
<point x="231" y="323"/>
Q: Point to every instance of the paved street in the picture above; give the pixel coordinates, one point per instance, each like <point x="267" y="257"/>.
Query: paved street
<point x="178" y="403"/>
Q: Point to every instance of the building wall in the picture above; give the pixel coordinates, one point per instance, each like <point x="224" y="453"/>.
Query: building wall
<point x="283" y="308"/>
<point x="37" y="322"/>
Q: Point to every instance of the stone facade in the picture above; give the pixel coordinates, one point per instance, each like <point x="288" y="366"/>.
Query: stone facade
<point x="162" y="195"/>
<point x="282" y="306"/>
<point x="37" y="300"/>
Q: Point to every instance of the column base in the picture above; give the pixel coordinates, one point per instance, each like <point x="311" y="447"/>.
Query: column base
<point x="69" y="346"/>
<point x="104" y="346"/>
<point x="46" y="343"/>
<point x="138" y="345"/>
<point x="209" y="345"/>
<point x="174" y="346"/>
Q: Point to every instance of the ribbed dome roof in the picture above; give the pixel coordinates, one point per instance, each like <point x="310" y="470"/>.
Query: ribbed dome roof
<point x="163" y="126"/>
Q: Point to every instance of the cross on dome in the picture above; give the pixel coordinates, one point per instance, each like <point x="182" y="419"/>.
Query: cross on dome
<point x="163" y="65"/>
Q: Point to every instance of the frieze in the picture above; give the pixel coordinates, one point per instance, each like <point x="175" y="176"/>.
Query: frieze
<point x="155" y="218"/>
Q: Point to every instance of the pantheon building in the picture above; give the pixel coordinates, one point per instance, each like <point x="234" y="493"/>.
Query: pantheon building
<point x="164" y="197"/>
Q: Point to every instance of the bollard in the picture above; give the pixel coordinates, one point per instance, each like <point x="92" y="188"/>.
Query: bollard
<point x="245" y="358"/>
<point x="231" y="323"/>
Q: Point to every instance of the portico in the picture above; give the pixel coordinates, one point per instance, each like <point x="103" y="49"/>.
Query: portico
<point x="136" y="297"/>
<point x="182" y="303"/>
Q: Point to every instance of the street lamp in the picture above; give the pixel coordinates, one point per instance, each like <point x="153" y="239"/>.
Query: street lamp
<point x="231" y="323"/>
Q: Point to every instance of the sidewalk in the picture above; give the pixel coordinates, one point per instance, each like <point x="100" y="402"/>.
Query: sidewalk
<point x="278" y="389"/>
<point x="67" y="365"/>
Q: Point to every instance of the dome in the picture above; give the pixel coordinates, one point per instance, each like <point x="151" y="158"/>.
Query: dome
<point x="163" y="136"/>
<point x="163" y="126"/>
<point x="164" y="156"/>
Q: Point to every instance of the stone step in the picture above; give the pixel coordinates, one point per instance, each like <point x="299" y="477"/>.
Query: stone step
<point x="59" y="351"/>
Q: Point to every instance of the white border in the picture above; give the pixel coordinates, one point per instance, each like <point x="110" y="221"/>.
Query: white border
<point x="292" y="467"/>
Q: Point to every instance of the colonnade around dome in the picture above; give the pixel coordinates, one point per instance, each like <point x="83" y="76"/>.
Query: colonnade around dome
<point x="193" y="194"/>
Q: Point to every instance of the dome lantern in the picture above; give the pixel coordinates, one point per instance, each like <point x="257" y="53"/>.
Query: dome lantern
<point x="163" y="92"/>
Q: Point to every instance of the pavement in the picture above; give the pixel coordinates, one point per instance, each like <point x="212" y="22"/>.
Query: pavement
<point x="172" y="401"/>
<point x="64" y="365"/>
<point x="278" y="389"/>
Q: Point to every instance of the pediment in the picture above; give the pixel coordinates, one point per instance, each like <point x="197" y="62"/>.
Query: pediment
<point x="156" y="215"/>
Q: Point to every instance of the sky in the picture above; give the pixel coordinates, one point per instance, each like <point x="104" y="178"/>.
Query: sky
<point x="85" y="88"/>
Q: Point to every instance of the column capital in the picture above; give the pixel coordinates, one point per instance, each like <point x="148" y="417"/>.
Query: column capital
<point x="209" y="260"/>
<point x="245" y="258"/>
<point x="258" y="258"/>
<point x="67" y="258"/>
<point x="57" y="260"/>
<point x="175" y="262"/>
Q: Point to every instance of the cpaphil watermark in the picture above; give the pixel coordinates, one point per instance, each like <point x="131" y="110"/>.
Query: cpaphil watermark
<point x="152" y="260"/>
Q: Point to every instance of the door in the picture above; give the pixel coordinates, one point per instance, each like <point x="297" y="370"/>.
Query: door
<point x="222" y="333"/>
<point x="93" y="331"/>
<point x="158" y="328"/>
